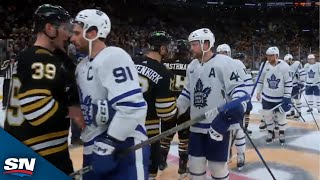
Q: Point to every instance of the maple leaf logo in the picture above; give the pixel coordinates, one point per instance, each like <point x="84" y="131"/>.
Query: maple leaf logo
<point x="200" y="95"/>
<point x="273" y="82"/>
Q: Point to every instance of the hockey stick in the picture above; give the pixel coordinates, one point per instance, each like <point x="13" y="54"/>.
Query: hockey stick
<point x="261" y="111"/>
<point x="314" y="119"/>
<point x="252" y="92"/>
<point x="258" y="152"/>
<point x="298" y="112"/>
<point x="209" y="114"/>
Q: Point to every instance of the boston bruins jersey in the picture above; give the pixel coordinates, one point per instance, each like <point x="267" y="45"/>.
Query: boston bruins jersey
<point x="178" y="68"/>
<point x="37" y="109"/>
<point x="155" y="81"/>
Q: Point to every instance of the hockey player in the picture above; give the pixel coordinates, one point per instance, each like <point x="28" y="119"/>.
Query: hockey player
<point x="179" y="67"/>
<point x="275" y="86"/>
<point x="239" y="136"/>
<point x="312" y="69"/>
<point x="38" y="104"/>
<point x="208" y="85"/>
<point x="249" y="84"/>
<point x="155" y="81"/>
<point x="111" y="101"/>
<point x="298" y="79"/>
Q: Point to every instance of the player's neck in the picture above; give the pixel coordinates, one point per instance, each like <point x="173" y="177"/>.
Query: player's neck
<point x="96" y="48"/>
<point x="274" y="63"/>
<point x="154" y="55"/>
<point x="45" y="43"/>
<point x="207" y="56"/>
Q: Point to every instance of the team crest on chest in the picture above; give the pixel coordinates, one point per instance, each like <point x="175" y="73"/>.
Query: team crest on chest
<point x="273" y="82"/>
<point x="311" y="74"/>
<point x="200" y="95"/>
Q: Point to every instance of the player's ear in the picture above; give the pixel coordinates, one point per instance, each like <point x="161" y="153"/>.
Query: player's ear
<point x="49" y="29"/>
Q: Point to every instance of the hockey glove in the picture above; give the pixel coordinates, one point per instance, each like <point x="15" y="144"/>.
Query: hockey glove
<point x="234" y="109"/>
<point x="285" y="105"/>
<point x="229" y="114"/>
<point x="104" y="159"/>
<point x="101" y="113"/>
<point x="218" y="127"/>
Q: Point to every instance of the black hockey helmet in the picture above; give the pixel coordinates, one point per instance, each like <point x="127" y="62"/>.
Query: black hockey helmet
<point x="182" y="45"/>
<point x="48" y="13"/>
<point x="159" y="38"/>
<point x="239" y="56"/>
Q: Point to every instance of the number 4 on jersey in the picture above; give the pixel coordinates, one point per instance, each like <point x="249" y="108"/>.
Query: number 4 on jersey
<point x="234" y="76"/>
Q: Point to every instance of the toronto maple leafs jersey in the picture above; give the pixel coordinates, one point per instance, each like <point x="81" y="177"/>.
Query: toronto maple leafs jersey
<point x="245" y="75"/>
<point x="155" y="81"/>
<point x="297" y="73"/>
<point x="275" y="82"/>
<point x="312" y="74"/>
<point x="111" y="76"/>
<point x="207" y="85"/>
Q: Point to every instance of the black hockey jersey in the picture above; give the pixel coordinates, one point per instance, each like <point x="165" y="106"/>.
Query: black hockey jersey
<point x="37" y="109"/>
<point x="155" y="81"/>
<point x="179" y="69"/>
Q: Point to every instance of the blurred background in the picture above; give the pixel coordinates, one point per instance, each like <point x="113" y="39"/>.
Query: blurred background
<point x="249" y="26"/>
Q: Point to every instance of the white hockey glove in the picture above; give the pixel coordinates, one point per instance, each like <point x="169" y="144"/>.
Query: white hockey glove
<point x="102" y="115"/>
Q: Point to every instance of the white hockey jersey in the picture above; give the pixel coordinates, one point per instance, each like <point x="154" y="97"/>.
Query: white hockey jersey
<point x="245" y="75"/>
<point x="297" y="73"/>
<point x="111" y="76"/>
<point x="206" y="85"/>
<point x="312" y="74"/>
<point x="275" y="82"/>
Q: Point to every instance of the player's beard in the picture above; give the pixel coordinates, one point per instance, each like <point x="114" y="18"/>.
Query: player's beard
<point x="197" y="55"/>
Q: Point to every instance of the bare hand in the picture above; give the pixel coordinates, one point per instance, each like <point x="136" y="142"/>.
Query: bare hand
<point x="75" y="114"/>
<point x="258" y="96"/>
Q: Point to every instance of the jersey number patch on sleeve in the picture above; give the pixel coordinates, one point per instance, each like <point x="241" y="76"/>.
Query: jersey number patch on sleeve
<point x="122" y="74"/>
<point x="178" y="83"/>
<point x="14" y="115"/>
<point x="234" y="76"/>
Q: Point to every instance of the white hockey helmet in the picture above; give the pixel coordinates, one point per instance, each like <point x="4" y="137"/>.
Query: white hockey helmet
<point x="97" y="18"/>
<point x="288" y="57"/>
<point x="224" y="48"/>
<point x="311" y="56"/>
<point x="202" y="35"/>
<point x="272" y="50"/>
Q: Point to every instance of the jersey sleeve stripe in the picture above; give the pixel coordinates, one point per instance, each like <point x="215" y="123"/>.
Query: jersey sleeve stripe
<point x="47" y="144"/>
<point x="53" y="150"/>
<point x="167" y="109"/>
<point x="34" y="92"/>
<point x="45" y="137"/>
<point x="168" y="116"/>
<point x="132" y="104"/>
<point x="28" y="100"/>
<point x="124" y="95"/>
<point x="43" y="114"/>
<point x="183" y="94"/>
<point x="288" y="82"/>
<point x="186" y="91"/>
<point x="164" y="100"/>
<point x="36" y="105"/>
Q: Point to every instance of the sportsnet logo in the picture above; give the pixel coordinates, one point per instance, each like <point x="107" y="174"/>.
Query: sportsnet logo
<point x="19" y="166"/>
